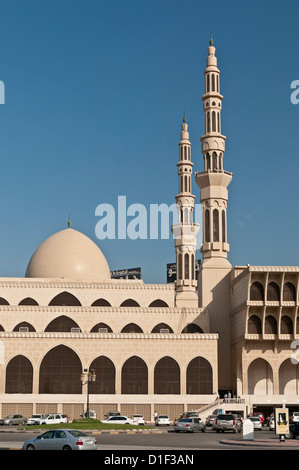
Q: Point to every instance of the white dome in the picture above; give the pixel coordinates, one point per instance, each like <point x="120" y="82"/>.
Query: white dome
<point x="69" y="254"/>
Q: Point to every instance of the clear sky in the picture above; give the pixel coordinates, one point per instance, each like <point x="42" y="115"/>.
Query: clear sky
<point x="95" y="93"/>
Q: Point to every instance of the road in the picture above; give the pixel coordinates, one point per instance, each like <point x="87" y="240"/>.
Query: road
<point x="13" y="439"/>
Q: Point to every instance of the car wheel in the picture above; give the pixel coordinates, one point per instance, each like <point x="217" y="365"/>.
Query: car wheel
<point x="290" y="435"/>
<point x="30" y="447"/>
<point x="66" y="448"/>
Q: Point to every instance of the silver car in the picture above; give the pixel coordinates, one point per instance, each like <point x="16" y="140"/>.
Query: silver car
<point x="61" y="439"/>
<point x="13" y="419"/>
<point x="227" y="422"/>
<point x="189" y="425"/>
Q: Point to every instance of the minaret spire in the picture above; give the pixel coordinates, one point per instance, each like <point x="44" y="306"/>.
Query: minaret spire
<point x="213" y="181"/>
<point x="185" y="232"/>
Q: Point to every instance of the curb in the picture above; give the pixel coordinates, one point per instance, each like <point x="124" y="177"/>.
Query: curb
<point x="263" y="443"/>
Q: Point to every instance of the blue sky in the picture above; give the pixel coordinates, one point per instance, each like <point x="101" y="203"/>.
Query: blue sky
<point x="95" y="93"/>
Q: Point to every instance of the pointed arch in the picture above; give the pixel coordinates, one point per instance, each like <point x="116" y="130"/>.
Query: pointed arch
<point x="129" y="303"/>
<point x="23" y="326"/>
<point x="162" y="326"/>
<point x="101" y="326"/>
<point x="167" y="377"/>
<point x="65" y="298"/>
<point x="256" y="291"/>
<point x="101" y="303"/>
<point x="158" y="303"/>
<point x="28" y="301"/>
<point x="61" y="324"/>
<point x="131" y="328"/>
<point x="199" y="377"/>
<point x="105" y="376"/>
<point x="60" y="372"/>
<point x="19" y="375"/>
<point x="134" y="377"/>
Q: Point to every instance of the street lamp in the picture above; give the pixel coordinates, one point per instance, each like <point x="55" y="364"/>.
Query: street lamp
<point x="88" y="376"/>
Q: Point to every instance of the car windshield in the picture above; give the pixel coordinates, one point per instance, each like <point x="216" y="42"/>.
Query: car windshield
<point x="9" y="416"/>
<point x="185" y="420"/>
<point x="163" y="417"/>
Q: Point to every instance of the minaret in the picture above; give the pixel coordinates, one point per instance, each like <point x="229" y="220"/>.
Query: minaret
<point x="214" y="274"/>
<point x="185" y="232"/>
<point x="213" y="181"/>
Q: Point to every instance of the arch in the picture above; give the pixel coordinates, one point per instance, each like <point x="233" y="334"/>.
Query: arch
<point x="167" y="377"/>
<point x="192" y="328"/>
<point x="61" y="324"/>
<point x="105" y="376"/>
<point x="273" y="292"/>
<point x="162" y="326"/>
<point x="254" y="325"/>
<point x="22" y="326"/>
<point x="28" y="301"/>
<point x="3" y="301"/>
<point x="101" y="303"/>
<point x="208" y="122"/>
<point x="286" y="325"/>
<point x="131" y="328"/>
<point x="213" y="121"/>
<point x="288" y="375"/>
<point x="186" y="258"/>
<point x="60" y="372"/>
<point x="1" y="329"/>
<point x="199" y="377"/>
<point x="213" y="82"/>
<point x="180" y="266"/>
<point x="260" y="378"/>
<point x="101" y="326"/>
<point x="65" y="298"/>
<point x="158" y="303"/>
<point x="215" y="225"/>
<point x="223" y="227"/>
<point x="270" y="325"/>
<point x="129" y="303"/>
<point x="134" y="377"/>
<point x="19" y="375"/>
<point x="289" y="292"/>
<point x="207" y="225"/>
<point x="256" y="291"/>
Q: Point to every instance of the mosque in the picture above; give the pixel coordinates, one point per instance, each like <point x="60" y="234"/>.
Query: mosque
<point x="142" y="348"/>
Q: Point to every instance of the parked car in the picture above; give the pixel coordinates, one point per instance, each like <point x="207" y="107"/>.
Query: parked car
<point x="272" y="424"/>
<point x="210" y="420"/>
<point x="139" y="419"/>
<point x="61" y="439"/>
<point x="189" y="425"/>
<point x="293" y="431"/>
<point x="257" y="423"/>
<point x="294" y="417"/>
<point x="90" y="414"/>
<point x="118" y="420"/>
<point x="112" y="413"/>
<point x="226" y="422"/>
<point x="258" y="415"/>
<point x="52" y="418"/>
<point x="163" y="420"/>
<point x="190" y="414"/>
<point x="13" y="419"/>
<point x="32" y="419"/>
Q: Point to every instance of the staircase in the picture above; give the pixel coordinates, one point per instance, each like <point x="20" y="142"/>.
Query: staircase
<point x="236" y="405"/>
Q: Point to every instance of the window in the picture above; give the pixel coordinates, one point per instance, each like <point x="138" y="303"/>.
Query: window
<point x="167" y="377"/>
<point x="289" y="292"/>
<point x="105" y="376"/>
<point x="215" y="225"/>
<point x="254" y="325"/>
<point x="273" y="292"/>
<point x="207" y="225"/>
<point x="256" y="291"/>
<point x="19" y="375"/>
<point x="65" y="298"/>
<point x="186" y="266"/>
<point x="270" y="325"/>
<point x="134" y="377"/>
<point x="223" y="227"/>
<point x="199" y="377"/>
<point x="62" y="324"/>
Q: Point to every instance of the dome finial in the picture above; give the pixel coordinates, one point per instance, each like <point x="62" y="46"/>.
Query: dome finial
<point x="184" y="118"/>
<point x="211" y="39"/>
<point x="69" y="221"/>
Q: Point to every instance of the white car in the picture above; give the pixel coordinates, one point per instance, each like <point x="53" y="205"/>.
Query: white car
<point x="294" y="417"/>
<point x="271" y="424"/>
<point x="52" y="418"/>
<point x="32" y="420"/>
<point x="119" y="420"/>
<point x="257" y="423"/>
<point x="163" y="420"/>
<point x="139" y="419"/>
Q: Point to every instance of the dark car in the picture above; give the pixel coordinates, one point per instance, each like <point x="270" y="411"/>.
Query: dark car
<point x="293" y="431"/>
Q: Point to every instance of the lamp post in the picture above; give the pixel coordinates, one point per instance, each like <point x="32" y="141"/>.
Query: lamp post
<point x="88" y="376"/>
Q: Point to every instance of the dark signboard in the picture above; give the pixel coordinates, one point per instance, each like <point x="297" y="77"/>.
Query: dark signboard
<point x="171" y="271"/>
<point x="131" y="273"/>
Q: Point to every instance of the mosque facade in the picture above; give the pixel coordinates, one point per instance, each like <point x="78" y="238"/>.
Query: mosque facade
<point x="168" y="348"/>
